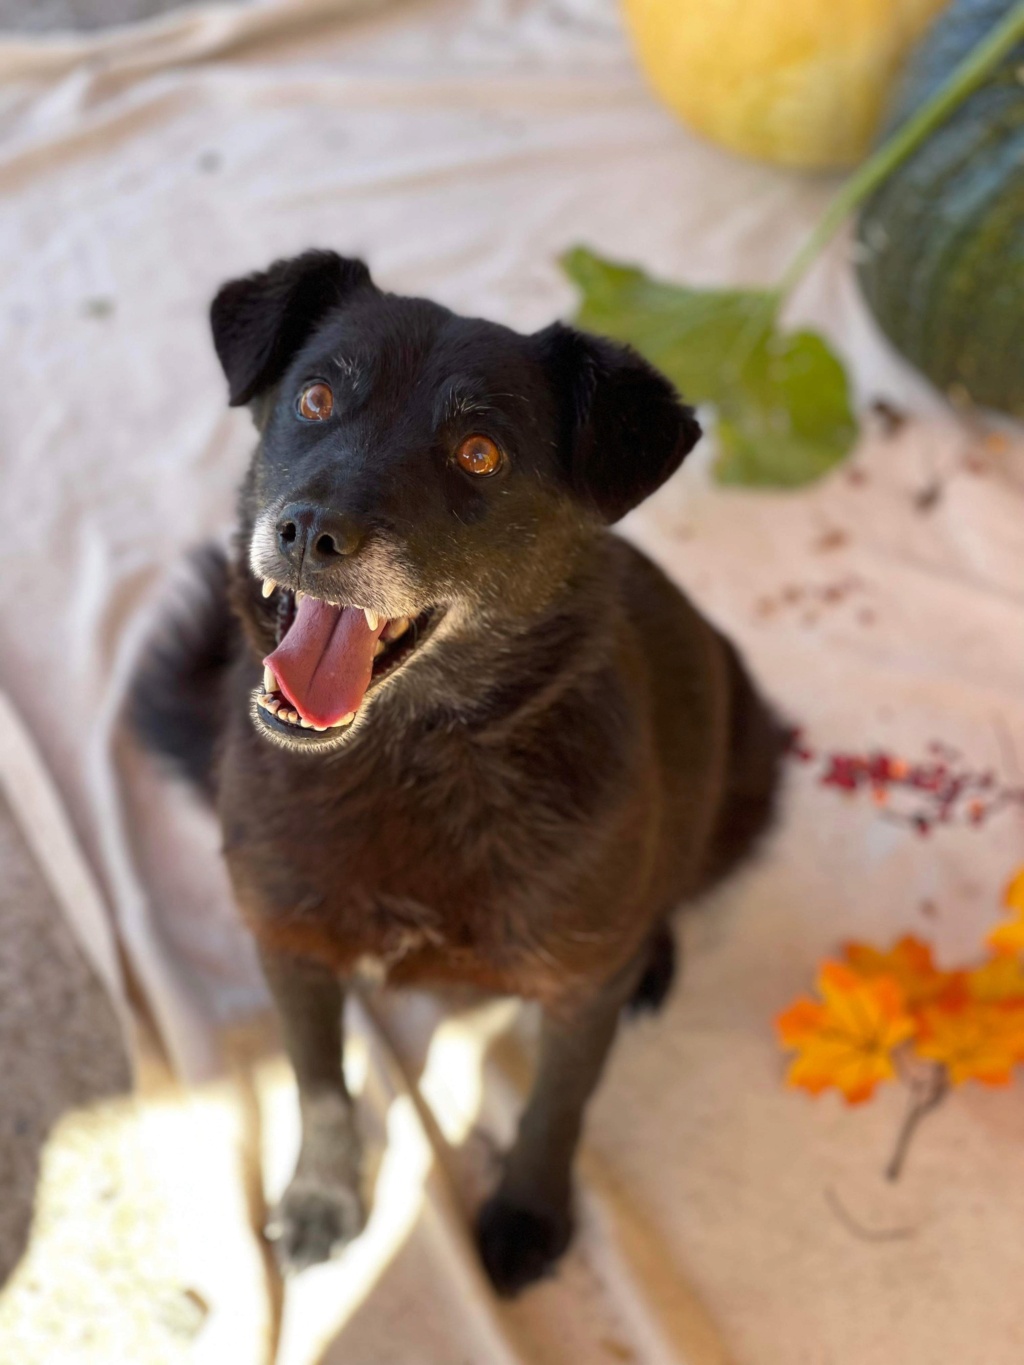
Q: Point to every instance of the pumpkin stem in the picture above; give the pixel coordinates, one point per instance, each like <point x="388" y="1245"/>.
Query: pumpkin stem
<point x="964" y="78"/>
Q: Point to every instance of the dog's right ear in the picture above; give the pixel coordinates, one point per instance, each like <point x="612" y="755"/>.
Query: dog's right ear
<point x="259" y="322"/>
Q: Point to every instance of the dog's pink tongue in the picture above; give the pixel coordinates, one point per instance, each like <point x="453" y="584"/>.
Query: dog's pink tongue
<point x="324" y="662"/>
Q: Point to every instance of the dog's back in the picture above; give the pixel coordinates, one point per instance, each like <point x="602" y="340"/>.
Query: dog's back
<point x="697" y="682"/>
<point x="177" y="702"/>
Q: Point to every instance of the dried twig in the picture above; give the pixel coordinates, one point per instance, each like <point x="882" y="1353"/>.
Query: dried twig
<point x="857" y="1229"/>
<point x="923" y="1099"/>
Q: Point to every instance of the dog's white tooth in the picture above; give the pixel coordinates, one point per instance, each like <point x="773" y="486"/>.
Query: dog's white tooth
<point x="269" y="681"/>
<point x="379" y="648"/>
<point x="291" y="716"/>
<point x="372" y="619"/>
<point x="320" y="728"/>
<point x="271" y="704"/>
<point x="268" y="586"/>
<point x="306" y="724"/>
<point x="347" y="720"/>
<point x="396" y="627"/>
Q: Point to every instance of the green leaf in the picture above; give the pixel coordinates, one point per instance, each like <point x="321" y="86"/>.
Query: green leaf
<point x="781" y="401"/>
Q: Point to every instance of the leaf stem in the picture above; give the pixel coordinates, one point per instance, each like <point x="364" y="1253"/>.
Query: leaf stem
<point x="975" y="66"/>
<point x="920" y="1105"/>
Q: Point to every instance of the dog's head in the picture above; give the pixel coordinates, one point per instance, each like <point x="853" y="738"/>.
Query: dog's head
<point x="417" y="472"/>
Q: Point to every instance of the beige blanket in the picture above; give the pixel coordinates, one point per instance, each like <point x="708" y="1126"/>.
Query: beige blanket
<point x="461" y="145"/>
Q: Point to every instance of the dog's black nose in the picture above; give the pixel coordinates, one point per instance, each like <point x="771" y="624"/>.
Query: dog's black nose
<point x="314" y="537"/>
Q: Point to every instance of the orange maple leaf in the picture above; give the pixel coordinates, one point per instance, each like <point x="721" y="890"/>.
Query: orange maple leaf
<point x="1008" y="937"/>
<point x="1000" y="980"/>
<point x="910" y="964"/>
<point x="975" y="1040"/>
<point x="847" y="1039"/>
<point x="1013" y="896"/>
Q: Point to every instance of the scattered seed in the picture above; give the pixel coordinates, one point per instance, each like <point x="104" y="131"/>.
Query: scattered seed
<point x="890" y="418"/>
<point x="941" y="790"/>
<point x="835" y="539"/>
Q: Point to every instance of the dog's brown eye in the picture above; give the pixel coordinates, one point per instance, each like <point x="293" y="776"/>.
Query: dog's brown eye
<point x="316" y="403"/>
<point x="478" y="455"/>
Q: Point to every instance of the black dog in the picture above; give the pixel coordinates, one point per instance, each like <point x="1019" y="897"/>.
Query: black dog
<point x="454" y="729"/>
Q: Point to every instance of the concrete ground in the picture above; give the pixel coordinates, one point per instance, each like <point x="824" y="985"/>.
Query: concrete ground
<point x="60" y="1043"/>
<point x="126" y="1219"/>
<point x="48" y="16"/>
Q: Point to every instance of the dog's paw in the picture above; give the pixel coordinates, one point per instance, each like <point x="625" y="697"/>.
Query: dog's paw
<point x="519" y="1245"/>
<point x="652" y="989"/>
<point x="313" y="1222"/>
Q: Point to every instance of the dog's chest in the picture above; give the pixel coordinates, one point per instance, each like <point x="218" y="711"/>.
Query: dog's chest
<point x="444" y="868"/>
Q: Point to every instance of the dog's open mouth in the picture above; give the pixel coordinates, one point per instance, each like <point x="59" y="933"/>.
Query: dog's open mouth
<point x="327" y="658"/>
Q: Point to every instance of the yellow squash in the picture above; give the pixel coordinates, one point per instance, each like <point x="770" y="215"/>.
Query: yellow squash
<point x="796" y="82"/>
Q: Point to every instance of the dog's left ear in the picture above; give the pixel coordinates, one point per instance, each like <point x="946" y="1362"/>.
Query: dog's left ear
<point x="624" y="428"/>
<point x="259" y="322"/>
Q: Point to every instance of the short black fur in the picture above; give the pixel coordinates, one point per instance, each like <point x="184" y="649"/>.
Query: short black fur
<point x="622" y="428"/>
<point x="178" y="697"/>
<point x="562" y="751"/>
<point x="259" y="322"/>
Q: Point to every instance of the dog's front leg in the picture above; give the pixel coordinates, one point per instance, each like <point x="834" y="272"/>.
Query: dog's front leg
<point x="527" y="1223"/>
<point x="322" y="1208"/>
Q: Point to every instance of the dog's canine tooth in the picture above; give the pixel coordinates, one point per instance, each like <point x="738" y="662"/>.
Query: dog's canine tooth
<point x="269" y="681"/>
<point x="268" y="586"/>
<point x="397" y="627"/>
<point x="372" y="619"/>
<point x="379" y="648"/>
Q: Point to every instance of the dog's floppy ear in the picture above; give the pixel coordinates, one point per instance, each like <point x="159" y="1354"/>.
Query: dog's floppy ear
<point x="624" y="429"/>
<point x="259" y="322"/>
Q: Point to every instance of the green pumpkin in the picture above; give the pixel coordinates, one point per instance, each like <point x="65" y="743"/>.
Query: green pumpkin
<point x="941" y="243"/>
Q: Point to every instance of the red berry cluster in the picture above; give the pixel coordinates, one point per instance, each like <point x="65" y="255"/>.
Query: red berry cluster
<point x="940" y="790"/>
